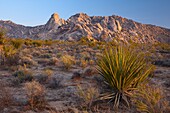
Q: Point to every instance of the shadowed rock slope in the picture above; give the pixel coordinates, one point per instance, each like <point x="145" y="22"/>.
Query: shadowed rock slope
<point x="98" y="27"/>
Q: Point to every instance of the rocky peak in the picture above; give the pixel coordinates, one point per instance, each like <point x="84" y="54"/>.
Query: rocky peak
<point x="54" y="22"/>
<point x="81" y="15"/>
<point x="80" y="18"/>
<point x="55" y="17"/>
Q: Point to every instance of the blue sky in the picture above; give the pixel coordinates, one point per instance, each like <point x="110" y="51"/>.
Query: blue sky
<point x="37" y="12"/>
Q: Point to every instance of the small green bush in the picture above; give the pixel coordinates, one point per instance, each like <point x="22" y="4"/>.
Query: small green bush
<point x="23" y="75"/>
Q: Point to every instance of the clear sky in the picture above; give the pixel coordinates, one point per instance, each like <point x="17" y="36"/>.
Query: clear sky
<point x="37" y="12"/>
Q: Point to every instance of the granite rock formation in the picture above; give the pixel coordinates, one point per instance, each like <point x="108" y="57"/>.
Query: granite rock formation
<point x="104" y="28"/>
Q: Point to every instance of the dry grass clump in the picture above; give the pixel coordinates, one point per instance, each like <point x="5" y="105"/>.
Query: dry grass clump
<point x="67" y="61"/>
<point x="48" y="72"/>
<point x="54" y="61"/>
<point x="45" y="55"/>
<point x="88" y="95"/>
<point x="150" y="99"/>
<point x="54" y="83"/>
<point x="36" y="95"/>
<point x="44" y="76"/>
<point x="25" y="60"/>
<point x="83" y="63"/>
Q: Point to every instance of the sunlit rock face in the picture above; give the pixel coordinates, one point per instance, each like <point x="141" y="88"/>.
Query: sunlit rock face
<point x="104" y="28"/>
<point x="54" y="22"/>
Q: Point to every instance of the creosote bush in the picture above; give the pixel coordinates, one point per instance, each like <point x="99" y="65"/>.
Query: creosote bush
<point x="123" y="70"/>
<point x="36" y="95"/>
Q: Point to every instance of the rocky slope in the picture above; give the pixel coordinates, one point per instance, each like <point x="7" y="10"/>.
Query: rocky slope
<point x="97" y="27"/>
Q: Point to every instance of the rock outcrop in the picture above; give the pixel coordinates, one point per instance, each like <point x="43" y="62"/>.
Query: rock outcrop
<point x="98" y="27"/>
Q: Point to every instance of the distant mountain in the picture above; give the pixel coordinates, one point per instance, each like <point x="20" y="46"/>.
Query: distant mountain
<point x="97" y="27"/>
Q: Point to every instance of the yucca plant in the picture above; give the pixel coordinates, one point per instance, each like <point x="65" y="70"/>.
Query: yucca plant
<point x="123" y="70"/>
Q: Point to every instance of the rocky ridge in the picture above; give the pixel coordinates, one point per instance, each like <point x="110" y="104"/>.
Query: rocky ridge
<point x="97" y="27"/>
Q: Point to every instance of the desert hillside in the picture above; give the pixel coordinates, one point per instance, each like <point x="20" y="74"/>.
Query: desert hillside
<point x="55" y="76"/>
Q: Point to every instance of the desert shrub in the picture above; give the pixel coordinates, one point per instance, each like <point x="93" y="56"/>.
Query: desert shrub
<point x="53" y="61"/>
<point x="163" y="46"/>
<point x="58" y="55"/>
<point x="123" y="69"/>
<point x="42" y="78"/>
<point x="44" y="61"/>
<point x="23" y="75"/>
<point x="27" y="60"/>
<point x="8" y="51"/>
<point x="9" y="56"/>
<point x="37" y="43"/>
<point x="17" y="43"/>
<point x="12" y="61"/>
<point x="48" y="42"/>
<point x="89" y="71"/>
<point x="48" y="72"/>
<point x="28" y="42"/>
<point x="45" y="76"/>
<point x="91" y="62"/>
<point x="2" y="41"/>
<point x="36" y="53"/>
<point x="46" y="55"/>
<point x="88" y="95"/>
<point x="3" y="36"/>
<point x="150" y="99"/>
<point x="87" y="41"/>
<point x="85" y="56"/>
<point x="6" y="98"/>
<point x="83" y="63"/>
<point x="92" y="44"/>
<point x="36" y="95"/>
<point x="54" y="83"/>
<point x="83" y="41"/>
<point x="67" y="61"/>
